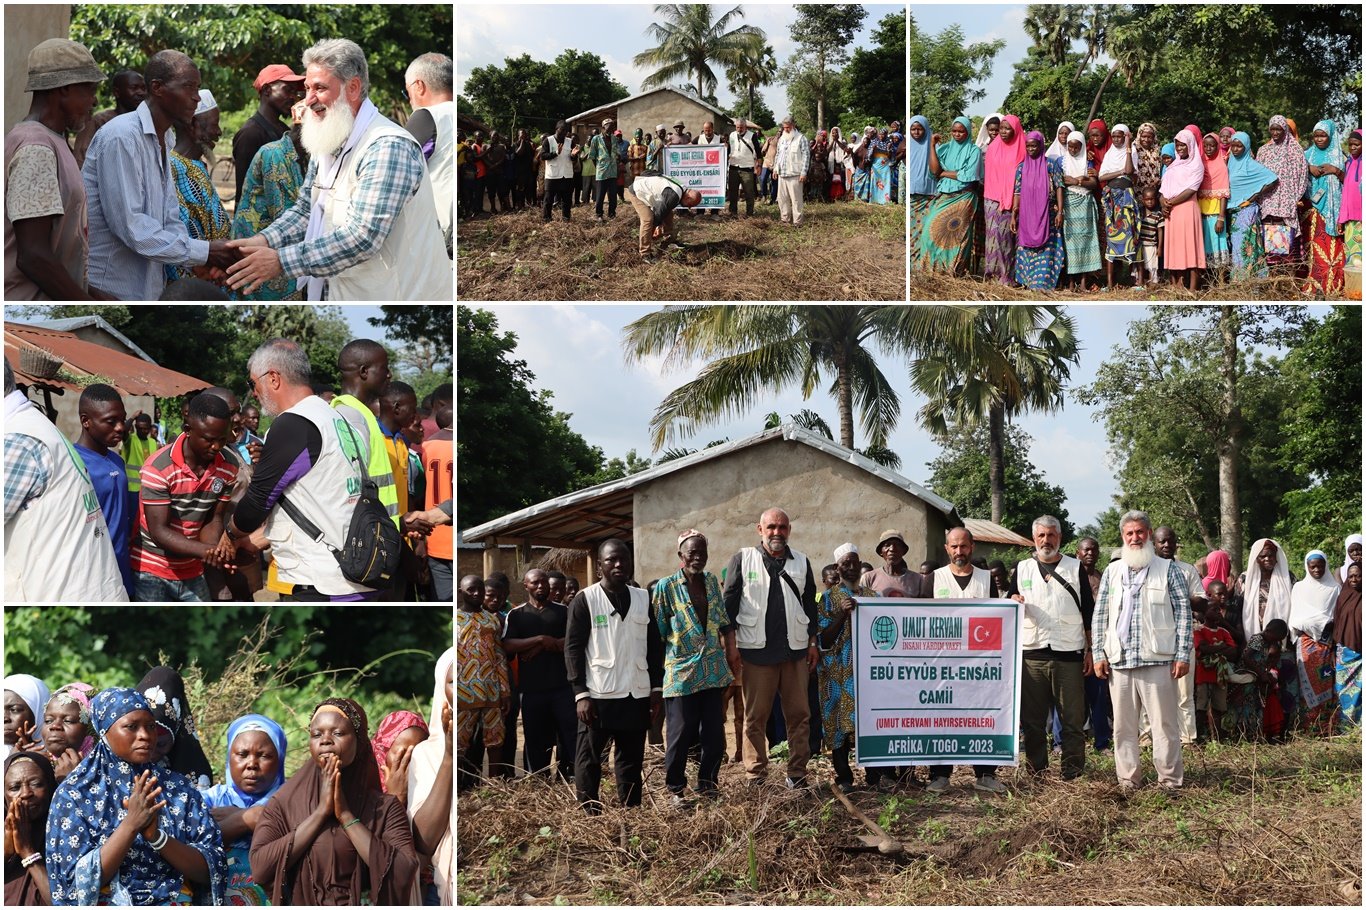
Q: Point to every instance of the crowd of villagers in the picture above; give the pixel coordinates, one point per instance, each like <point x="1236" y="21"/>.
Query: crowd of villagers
<point x="1108" y="205"/>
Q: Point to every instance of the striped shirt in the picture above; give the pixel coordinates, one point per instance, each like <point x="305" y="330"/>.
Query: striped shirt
<point x="192" y="498"/>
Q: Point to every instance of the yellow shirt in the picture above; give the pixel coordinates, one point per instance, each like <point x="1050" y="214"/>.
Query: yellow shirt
<point x="397" y="450"/>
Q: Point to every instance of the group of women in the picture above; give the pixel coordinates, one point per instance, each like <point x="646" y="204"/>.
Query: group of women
<point x="1016" y="209"/>
<point x="109" y="800"/>
<point x="871" y="169"/>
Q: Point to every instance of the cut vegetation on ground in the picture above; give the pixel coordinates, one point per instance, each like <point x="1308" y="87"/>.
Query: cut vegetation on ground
<point x="1255" y="824"/>
<point x="842" y="251"/>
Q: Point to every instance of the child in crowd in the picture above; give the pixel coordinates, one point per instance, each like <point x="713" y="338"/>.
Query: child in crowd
<point x="830" y="576"/>
<point x="1214" y="649"/>
<point x="1149" y="238"/>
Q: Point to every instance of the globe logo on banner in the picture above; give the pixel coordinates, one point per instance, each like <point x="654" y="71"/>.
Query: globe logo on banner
<point x="884" y="633"/>
<point x="984" y="633"/>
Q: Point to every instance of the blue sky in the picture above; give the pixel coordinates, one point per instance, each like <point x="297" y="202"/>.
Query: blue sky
<point x="490" y="32"/>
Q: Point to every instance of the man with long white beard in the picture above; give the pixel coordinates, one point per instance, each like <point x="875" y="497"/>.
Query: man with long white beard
<point x="1143" y="623"/>
<point x="364" y="226"/>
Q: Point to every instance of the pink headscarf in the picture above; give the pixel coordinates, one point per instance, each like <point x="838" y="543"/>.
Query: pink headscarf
<point x="1002" y="160"/>
<point x="1184" y="173"/>
<point x="79" y="693"/>
<point x="389" y="730"/>
<point x="1219" y="567"/>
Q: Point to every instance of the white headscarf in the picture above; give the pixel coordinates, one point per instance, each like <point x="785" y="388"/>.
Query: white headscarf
<point x="1058" y="150"/>
<point x="1277" y="595"/>
<point x="36" y="695"/>
<point x="1113" y="162"/>
<point x="1312" y="600"/>
<point x="1342" y="572"/>
<point x="983" y="137"/>
<point x="423" y="768"/>
<point x="1075" y="165"/>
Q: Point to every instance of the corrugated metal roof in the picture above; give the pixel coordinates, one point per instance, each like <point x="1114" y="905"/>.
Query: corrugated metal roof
<point x="129" y="374"/>
<point x="665" y="88"/>
<point x="990" y="532"/>
<point x="608" y="509"/>
<point x="80" y="322"/>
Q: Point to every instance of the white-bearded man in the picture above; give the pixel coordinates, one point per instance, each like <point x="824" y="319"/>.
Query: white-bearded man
<point x="364" y="226"/>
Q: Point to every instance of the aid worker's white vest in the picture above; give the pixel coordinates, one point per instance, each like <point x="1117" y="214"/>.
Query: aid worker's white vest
<point x="561" y="166"/>
<point x="59" y="548"/>
<point x="441" y="166"/>
<point x="751" y="631"/>
<point x="412" y="263"/>
<point x="616" y="651"/>
<point x="1157" y="622"/>
<point x="327" y="496"/>
<point x="946" y="585"/>
<point x="1056" y="620"/>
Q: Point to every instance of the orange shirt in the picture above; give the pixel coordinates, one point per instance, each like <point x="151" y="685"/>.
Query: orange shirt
<point x="438" y="461"/>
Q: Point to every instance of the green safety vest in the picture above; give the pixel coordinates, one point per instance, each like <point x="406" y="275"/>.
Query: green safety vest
<point x="379" y="469"/>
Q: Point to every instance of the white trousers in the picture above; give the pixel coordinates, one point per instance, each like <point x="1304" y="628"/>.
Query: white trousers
<point x="1185" y="691"/>
<point x="790" y="191"/>
<point x="1151" y="689"/>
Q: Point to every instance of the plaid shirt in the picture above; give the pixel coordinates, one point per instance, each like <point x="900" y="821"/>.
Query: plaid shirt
<point x="387" y="177"/>
<point x="1178" y="591"/>
<point x="28" y="468"/>
<point x="694" y="658"/>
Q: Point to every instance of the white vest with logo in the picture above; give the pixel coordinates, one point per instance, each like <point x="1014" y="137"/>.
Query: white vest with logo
<point x="561" y="166"/>
<point x="1056" y="620"/>
<point x="412" y="263"/>
<point x="441" y="166"/>
<point x="751" y="630"/>
<point x="740" y="149"/>
<point x="59" y="548"/>
<point x="616" y="652"/>
<point x="946" y="585"/>
<point x="1157" y="621"/>
<point x="327" y="496"/>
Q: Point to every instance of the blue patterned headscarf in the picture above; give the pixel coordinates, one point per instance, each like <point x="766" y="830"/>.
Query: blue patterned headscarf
<point x="1325" y="193"/>
<point x="1246" y="175"/>
<point x="228" y="793"/>
<point x="88" y="806"/>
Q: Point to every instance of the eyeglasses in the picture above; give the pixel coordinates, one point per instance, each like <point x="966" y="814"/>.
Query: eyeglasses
<point x="257" y="379"/>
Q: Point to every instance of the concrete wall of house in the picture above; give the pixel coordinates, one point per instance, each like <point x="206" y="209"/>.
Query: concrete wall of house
<point x="647" y="113"/>
<point x="26" y="27"/>
<point x="67" y="408"/>
<point x="828" y="500"/>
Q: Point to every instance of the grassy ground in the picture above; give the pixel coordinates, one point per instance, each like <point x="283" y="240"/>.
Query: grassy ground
<point x="1255" y="824"/>
<point x="842" y="251"/>
<point x="943" y="287"/>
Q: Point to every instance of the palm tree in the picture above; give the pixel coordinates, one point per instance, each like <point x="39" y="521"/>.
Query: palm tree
<point x="806" y="418"/>
<point x="1052" y="28"/>
<point x="757" y="68"/>
<point x="753" y="349"/>
<point x="1133" y="52"/>
<point x="690" y="40"/>
<point x="1016" y="359"/>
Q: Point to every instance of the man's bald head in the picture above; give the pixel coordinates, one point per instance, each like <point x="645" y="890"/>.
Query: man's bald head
<point x="364" y="365"/>
<point x="166" y="66"/>
<point x="774" y="528"/>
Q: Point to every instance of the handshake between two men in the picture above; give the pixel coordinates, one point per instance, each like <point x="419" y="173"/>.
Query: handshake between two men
<point x="243" y="265"/>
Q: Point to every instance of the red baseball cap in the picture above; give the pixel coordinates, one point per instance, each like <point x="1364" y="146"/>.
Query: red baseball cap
<point x="276" y="72"/>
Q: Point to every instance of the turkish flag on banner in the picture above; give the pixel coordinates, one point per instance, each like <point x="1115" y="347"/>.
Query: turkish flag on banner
<point x="984" y="633"/>
<point x="713" y="157"/>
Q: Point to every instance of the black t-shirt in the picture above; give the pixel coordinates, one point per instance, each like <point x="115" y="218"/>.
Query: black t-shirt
<point x="545" y="672"/>
<point x="964" y="580"/>
<point x="256" y="132"/>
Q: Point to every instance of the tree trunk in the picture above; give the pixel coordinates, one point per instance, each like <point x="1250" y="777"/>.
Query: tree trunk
<point x="1095" y="103"/>
<point x="996" y="453"/>
<point x="1230" y="513"/>
<point x="1199" y="519"/>
<point x="846" y="402"/>
<point x="749" y="114"/>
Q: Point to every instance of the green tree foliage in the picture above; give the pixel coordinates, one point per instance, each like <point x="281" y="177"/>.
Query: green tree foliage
<point x="514" y="449"/>
<point x="760" y="114"/>
<point x="230" y="43"/>
<point x="1321" y="437"/>
<point x="874" y="77"/>
<point x="690" y="41"/>
<point x="961" y="475"/>
<point x="943" y="72"/>
<point x="527" y="93"/>
<point x="823" y="32"/>
<point x="756" y="68"/>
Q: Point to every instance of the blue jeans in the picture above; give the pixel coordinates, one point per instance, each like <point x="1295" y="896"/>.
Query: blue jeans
<point x="442" y="577"/>
<point x="769" y="185"/>
<point x="149" y="588"/>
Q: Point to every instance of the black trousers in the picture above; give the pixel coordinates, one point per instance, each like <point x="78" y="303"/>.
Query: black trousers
<point x="562" y="189"/>
<point x="692" y="719"/>
<point x="549" y="722"/>
<point x="627" y="763"/>
<point x="607" y="189"/>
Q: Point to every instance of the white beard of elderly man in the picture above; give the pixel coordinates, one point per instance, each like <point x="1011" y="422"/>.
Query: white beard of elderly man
<point x="1141" y="639"/>
<point x="365" y="225"/>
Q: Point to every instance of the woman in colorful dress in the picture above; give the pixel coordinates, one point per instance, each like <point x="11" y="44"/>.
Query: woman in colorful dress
<point x="920" y="183"/>
<point x="946" y="239"/>
<point x="880" y="158"/>
<point x="1036" y="218"/>
<point x="1213" y="202"/>
<point x="863" y="161"/>
<point x="1116" y="175"/>
<point x="1147" y="158"/>
<point x="1280" y="210"/>
<point x="1311" y="615"/>
<point x="1002" y="160"/>
<point x="1249" y="182"/>
<point x="1347" y="635"/>
<point x="834" y="616"/>
<point x="818" y="170"/>
<point x="1183" y="246"/>
<point x="201" y="210"/>
<point x="255" y="769"/>
<point x="122" y="831"/>
<point x="838" y="160"/>
<point x="1323" y="236"/>
<point x="1079" y="217"/>
<point x="1349" y="214"/>
<point x="270" y="187"/>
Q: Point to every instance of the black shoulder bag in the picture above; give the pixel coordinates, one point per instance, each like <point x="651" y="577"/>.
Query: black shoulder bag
<point x="370" y="554"/>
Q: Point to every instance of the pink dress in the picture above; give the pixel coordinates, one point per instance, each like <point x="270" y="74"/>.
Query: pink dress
<point x="1184" y="244"/>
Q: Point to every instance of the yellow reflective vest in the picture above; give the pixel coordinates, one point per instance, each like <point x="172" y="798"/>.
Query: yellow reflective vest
<point x="378" y="466"/>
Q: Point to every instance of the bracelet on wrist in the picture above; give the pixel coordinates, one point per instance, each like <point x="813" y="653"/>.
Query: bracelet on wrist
<point x="354" y="821"/>
<point x="159" y="841"/>
<point x="32" y="858"/>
